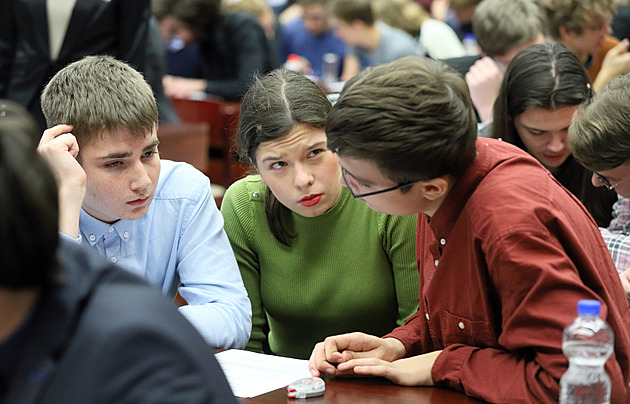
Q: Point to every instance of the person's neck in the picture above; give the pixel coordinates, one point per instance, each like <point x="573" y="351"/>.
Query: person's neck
<point x="371" y="39"/>
<point x="15" y="307"/>
<point x="582" y="56"/>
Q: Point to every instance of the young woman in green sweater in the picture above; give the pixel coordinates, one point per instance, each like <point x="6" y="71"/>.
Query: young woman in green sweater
<point x="314" y="260"/>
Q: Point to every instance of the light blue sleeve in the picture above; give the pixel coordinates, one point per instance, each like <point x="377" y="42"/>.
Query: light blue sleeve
<point x="211" y="282"/>
<point x="78" y="240"/>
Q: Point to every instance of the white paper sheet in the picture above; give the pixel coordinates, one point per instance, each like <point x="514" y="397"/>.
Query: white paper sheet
<point x="251" y="374"/>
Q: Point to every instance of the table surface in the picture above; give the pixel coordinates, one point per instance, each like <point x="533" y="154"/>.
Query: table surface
<point x="367" y="391"/>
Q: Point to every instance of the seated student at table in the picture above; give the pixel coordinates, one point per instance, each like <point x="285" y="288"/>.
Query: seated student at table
<point x="599" y="138"/>
<point x="314" y="260"/>
<point x="73" y="327"/>
<point x="504" y="252"/>
<point x="232" y="47"/>
<point x="542" y="88"/>
<point x="156" y="218"/>
<point x="583" y="26"/>
<point x="311" y="37"/>
<point x="370" y="42"/>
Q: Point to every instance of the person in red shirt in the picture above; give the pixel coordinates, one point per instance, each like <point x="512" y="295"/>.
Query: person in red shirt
<point x="504" y="252"/>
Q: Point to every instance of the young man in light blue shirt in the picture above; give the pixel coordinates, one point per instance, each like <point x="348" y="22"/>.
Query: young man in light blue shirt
<point x="154" y="217"/>
<point x="370" y="42"/>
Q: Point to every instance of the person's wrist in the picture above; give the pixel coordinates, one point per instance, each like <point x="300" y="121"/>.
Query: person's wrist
<point x="396" y="348"/>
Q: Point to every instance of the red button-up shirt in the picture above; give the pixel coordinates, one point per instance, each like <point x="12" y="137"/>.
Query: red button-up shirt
<point x="503" y="263"/>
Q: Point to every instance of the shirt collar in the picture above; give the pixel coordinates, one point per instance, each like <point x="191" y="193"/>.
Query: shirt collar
<point x="447" y="214"/>
<point x="93" y="230"/>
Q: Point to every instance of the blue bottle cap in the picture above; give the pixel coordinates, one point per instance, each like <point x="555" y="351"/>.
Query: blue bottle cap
<point x="589" y="307"/>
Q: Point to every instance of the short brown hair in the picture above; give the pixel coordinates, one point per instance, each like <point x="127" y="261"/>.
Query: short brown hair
<point x="463" y="4"/>
<point x="350" y="10"/>
<point x="502" y="25"/>
<point x="574" y="15"/>
<point x="100" y="94"/>
<point x="599" y="135"/>
<point x="413" y="117"/>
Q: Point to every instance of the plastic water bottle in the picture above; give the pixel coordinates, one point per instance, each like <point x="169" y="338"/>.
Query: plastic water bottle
<point x="587" y="342"/>
<point x="330" y="68"/>
<point x="293" y="63"/>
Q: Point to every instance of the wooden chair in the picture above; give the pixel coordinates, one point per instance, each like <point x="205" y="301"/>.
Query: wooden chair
<point x="222" y="117"/>
<point x="186" y="142"/>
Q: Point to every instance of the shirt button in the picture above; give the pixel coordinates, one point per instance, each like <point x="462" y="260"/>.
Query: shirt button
<point x="443" y="241"/>
<point x="114" y="261"/>
<point x="461" y="325"/>
<point x="126" y="234"/>
<point x="111" y="229"/>
<point x="92" y="237"/>
<point x="427" y="316"/>
<point x="255" y="194"/>
<point x="437" y="262"/>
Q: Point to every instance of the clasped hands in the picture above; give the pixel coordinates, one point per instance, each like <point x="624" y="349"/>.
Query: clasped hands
<point x="362" y="354"/>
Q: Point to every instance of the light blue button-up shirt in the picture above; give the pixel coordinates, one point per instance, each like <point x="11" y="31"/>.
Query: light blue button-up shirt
<point x="181" y="239"/>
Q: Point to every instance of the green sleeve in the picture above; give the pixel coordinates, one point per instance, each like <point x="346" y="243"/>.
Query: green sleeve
<point x="399" y="242"/>
<point x="237" y="208"/>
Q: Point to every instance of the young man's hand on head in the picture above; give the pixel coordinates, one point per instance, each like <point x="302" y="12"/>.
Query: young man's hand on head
<point x="60" y="149"/>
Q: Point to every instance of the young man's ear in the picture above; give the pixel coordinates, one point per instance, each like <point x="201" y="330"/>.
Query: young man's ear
<point x="358" y="24"/>
<point x="436" y="188"/>
<point x="565" y="33"/>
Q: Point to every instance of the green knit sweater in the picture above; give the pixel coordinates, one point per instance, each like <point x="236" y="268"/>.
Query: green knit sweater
<point x="349" y="269"/>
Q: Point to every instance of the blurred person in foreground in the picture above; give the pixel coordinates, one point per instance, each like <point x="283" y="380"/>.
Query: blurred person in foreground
<point x="73" y="327"/>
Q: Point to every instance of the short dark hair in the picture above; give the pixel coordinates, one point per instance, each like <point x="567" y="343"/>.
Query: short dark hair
<point x="547" y="76"/>
<point x="271" y="108"/>
<point x="28" y="204"/>
<point x="413" y="117"/>
<point x="350" y="10"/>
<point x="599" y="135"/>
<point x="202" y="17"/>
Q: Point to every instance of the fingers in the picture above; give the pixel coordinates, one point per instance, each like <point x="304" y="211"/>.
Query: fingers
<point x="51" y="133"/>
<point x="318" y="362"/>
<point x="620" y="48"/>
<point x="334" y="350"/>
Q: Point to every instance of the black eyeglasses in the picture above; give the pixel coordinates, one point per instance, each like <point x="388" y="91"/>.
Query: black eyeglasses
<point x="607" y="183"/>
<point x="356" y="196"/>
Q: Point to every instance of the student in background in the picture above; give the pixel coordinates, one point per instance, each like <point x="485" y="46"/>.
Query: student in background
<point x="75" y="328"/>
<point x="599" y="137"/>
<point x="370" y="42"/>
<point x="232" y="47"/>
<point x="504" y="252"/>
<point x="314" y="260"/>
<point x="502" y="29"/>
<point x="311" y="37"/>
<point x="156" y="218"/>
<point x="542" y="88"/>
<point x="437" y="39"/>
<point x="583" y="26"/>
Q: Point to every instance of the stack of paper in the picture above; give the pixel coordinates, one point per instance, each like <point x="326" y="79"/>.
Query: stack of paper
<point x="251" y="374"/>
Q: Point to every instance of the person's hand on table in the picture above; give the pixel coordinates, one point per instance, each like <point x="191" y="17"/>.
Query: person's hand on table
<point x="180" y="87"/>
<point x="329" y="356"/>
<point x="414" y="371"/>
